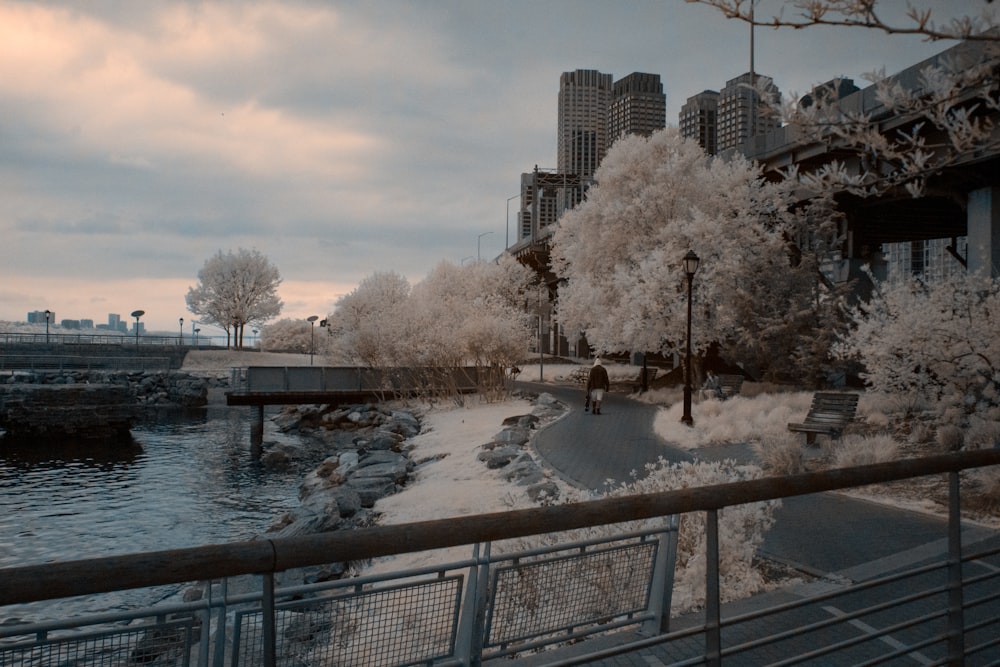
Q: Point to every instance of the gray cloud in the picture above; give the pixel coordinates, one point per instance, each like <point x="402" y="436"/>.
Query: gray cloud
<point x="336" y="138"/>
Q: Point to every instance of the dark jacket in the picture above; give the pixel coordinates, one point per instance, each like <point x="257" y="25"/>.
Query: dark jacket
<point x="598" y="379"/>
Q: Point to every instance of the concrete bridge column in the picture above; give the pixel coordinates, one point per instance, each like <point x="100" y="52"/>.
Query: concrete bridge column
<point x="983" y="219"/>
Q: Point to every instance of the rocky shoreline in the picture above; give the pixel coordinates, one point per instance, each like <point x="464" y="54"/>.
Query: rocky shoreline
<point x="371" y="456"/>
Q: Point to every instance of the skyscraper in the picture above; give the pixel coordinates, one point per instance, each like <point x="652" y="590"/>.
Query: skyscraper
<point x="584" y="99"/>
<point x="638" y="106"/>
<point x="744" y="112"/>
<point x="699" y="119"/>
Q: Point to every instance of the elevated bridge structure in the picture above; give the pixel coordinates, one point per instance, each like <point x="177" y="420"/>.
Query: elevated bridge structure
<point x="960" y="199"/>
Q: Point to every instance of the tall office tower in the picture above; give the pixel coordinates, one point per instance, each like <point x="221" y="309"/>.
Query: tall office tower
<point x="699" y="119"/>
<point x="742" y="111"/>
<point x="584" y="99"/>
<point x="638" y="106"/>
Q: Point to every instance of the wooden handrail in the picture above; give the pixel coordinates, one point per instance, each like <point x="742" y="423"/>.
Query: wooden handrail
<point x="99" y="575"/>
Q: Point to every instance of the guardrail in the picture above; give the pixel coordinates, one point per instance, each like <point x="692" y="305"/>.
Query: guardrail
<point x="62" y="362"/>
<point x="486" y="607"/>
<point x="357" y="378"/>
<point x="124" y="339"/>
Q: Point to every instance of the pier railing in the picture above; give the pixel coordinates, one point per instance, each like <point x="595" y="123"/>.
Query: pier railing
<point x="505" y="599"/>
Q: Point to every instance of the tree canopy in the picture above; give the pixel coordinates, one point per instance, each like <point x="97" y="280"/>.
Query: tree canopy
<point x="235" y="289"/>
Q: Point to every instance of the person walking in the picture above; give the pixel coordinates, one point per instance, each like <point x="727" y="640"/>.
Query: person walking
<point x="597" y="384"/>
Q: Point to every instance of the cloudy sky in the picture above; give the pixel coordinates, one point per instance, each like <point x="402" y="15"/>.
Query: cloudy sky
<point x="337" y="138"/>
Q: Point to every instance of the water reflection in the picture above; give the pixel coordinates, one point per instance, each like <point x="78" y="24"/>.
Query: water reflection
<point x="185" y="479"/>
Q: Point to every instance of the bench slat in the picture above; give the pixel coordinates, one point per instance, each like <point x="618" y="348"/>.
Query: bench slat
<point x="829" y="414"/>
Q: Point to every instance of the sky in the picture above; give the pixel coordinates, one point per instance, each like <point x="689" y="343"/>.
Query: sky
<point x="336" y="138"/>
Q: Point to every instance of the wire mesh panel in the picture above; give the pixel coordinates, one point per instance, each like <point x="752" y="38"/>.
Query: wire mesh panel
<point x="541" y="597"/>
<point x="400" y="625"/>
<point x="160" y="645"/>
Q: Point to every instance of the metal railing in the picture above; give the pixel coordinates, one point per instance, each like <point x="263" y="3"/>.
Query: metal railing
<point x="111" y="338"/>
<point x="64" y="362"/>
<point x="945" y="611"/>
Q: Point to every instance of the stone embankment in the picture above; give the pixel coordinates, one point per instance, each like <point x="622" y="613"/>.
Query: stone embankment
<point x="92" y="404"/>
<point x="371" y="457"/>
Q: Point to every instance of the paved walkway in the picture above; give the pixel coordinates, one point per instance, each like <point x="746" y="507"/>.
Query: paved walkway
<point x="829" y="535"/>
<point x="592" y="450"/>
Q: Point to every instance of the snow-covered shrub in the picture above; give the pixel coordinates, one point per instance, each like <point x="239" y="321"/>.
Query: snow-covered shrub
<point x="741" y="530"/>
<point x="780" y="455"/>
<point x="290" y="335"/>
<point x="934" y="343"/>
<point x="982" y="434"/>
<point x="859" y="450"/>
<point x="949" y="438"/>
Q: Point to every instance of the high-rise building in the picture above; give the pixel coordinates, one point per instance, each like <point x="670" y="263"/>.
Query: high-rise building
<point x="699" y="119"/>
<point x="593" y="112"/>
<point x="584" y="99"/>
<point x="746" y="110"/>
<point x="38" y="317"/>
<point x="638" y="106"/>
<point x="114" y="321"/>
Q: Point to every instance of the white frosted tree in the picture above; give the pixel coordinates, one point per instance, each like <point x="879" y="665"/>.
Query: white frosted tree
<point x="937" y="342"/>
<point x="455" y="317"/>
<point x="235" y="289"/>
<point x="462" y="315"/>
<point x="365" y="326"/>
<point x="656" y="198"/>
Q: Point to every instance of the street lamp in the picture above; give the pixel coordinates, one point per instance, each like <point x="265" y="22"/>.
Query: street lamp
<point x="312" y="335"/>
<point x="181" y="321"/>
<point x="478" y="241"/>
<point x="690" y="266"/>
<point x="137" y="314"/>
<point x="48" y="316"/>
<point x="196" y="332"/>
<point x="506" y="222"/>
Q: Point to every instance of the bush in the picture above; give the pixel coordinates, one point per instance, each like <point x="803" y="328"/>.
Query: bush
<point x="741" y="530"/>
<point x="780" y="455"/>
<point x="859" y="450"/>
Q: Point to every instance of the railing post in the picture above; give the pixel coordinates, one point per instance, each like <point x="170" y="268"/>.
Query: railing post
<point x="219" y="656"/>
<point x="268" y="630"/>
<point x="662" y="585"/>
<point x="956" y="614"/>
<point x="472" y="624"/>
<point x="713" y="631"/>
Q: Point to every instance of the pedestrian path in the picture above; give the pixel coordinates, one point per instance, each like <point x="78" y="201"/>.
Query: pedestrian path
<point x="594" y="451"/>
<point x="826" y="535"/>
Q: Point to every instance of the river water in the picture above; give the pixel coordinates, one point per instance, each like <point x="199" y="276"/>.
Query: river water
<point x="189" y="480"/>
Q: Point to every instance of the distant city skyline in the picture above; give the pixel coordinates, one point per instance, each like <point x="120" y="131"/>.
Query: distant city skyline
<point x="336" y="140"/>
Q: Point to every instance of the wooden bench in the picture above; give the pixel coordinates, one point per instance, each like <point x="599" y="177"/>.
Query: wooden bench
<point x="829" y="414"/>
<point x="730" y="385"/>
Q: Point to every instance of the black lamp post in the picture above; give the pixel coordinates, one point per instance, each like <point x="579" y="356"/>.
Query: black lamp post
<point x="312" y="335"/>
<point x="181" y="320"/>
<point x="690" y="266"/>
<point x="48" y="316"/>
<point x="137" y="314"/>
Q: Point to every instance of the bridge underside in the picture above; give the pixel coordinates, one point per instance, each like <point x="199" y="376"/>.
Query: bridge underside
<point x="943" y="212"/>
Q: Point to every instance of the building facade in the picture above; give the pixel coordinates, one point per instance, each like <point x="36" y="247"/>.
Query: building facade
<point x="638" y="106"/>
<point x="584" y="100"/>
<point x="748" y="107"/>
<point x="699" y="119"/>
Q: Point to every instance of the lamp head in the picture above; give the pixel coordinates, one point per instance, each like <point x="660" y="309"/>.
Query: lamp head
<point x="691" y="261"/>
